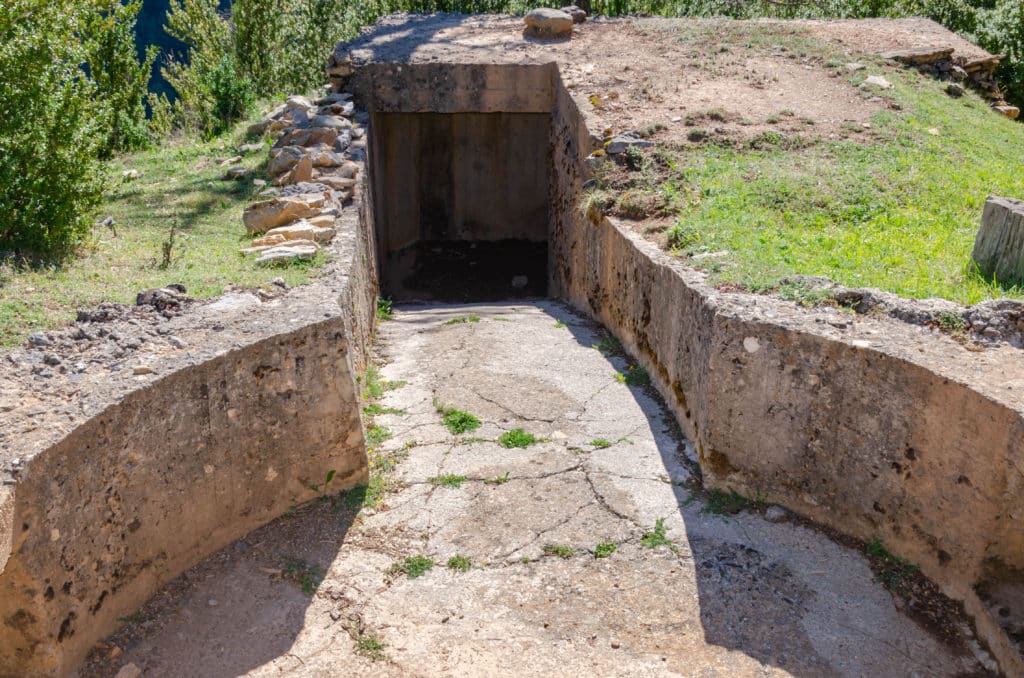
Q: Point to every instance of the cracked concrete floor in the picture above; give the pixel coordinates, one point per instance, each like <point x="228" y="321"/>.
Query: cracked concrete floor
<point x="732" y="596"/>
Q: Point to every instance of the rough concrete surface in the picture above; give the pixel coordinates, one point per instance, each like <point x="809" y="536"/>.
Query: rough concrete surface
<point x="732" y="595"/>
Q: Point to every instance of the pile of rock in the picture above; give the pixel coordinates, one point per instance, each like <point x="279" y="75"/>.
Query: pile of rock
<point x="311" y="163"/>
<point x="978" y="73"/>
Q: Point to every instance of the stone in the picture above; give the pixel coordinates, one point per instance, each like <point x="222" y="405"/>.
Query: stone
<point x="131" y="174"/>
<point x="142" y="369"/>
<point x="296" y="102"/>
<point x="776" y="514"/>
<point x="854" y="67"/>
<point x="920" y="56"/>
<point x="246" y="149"/>
<point x="225" y="162"/>
<point x="129" y="671"/>
<point x="333" y="98"/>
<point x="161" y="298"/>
<point x="549" y="23"/>
<point x="235" y="173"/>
<point x="324" y="157"/>
<point x="307" y="137"/>
<point x="304" y="230"/>
<point x="263" y="216"/>
<point x="330" y="122"/>
<point x="322" y="220"/>
<point x="39" y="339"/>
<point x="298" y="243"/>
<point x="177" y="342"/>
<point x="344" y="108"/>
<point x="626" y="140"/>
<point x="999" y="244"/>
<point x="269" y="240"/>
<point x="877" y="81"/>
<point x="258" y="129"/>
<point x="301" y="172"/>
<point x="1011" y="112"/>
<point x="954" y="90"/>
<point x="276" y="255"/>
<point x="577" y="14"/>
<point x="284" y="159"/>
<point x="337" y="183"/>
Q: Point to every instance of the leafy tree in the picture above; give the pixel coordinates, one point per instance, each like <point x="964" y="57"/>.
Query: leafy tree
<point x="52" y="127"/>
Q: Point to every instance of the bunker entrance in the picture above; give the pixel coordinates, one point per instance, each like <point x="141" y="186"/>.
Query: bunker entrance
<point x="460" y="205"/>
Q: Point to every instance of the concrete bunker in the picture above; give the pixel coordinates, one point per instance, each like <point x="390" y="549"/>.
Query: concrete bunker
<point x="460" y="204"/>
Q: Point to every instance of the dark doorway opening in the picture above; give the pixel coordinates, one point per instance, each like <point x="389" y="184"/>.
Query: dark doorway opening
<point x="460" y="205"/>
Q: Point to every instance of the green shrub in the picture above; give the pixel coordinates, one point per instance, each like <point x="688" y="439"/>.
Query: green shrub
<point x="51" y="129"/>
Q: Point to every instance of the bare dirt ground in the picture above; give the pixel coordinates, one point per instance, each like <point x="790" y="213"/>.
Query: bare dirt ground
<point x="316" y="593"/>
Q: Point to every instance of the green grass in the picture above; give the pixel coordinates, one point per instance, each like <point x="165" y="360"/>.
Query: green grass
<point x="180" y="185"/>
<point x="463" y="319"/>
<point x="605" y="549"/>
<point x="601" y="443"/>
<point x="374" y="385"/>
<point x="498" y="480"/>
<point x="658" y="536"/>
<point x="384" y="309"/>
<point x="374" y="409"/>
<point x="560" y="550"/>
<point x="892" y="571"/>
<point x="460" y="564"/>
<point x="722" y="503"/>
<point x="307" y="575"/>
<point x="634" y="376"/>
<point x="375" y="435"/>
<point x="370" y="646"/>
<point x="448" y="480"/>
<point x="559" y="324"/>
<point x="517" y="437"/>
<point x="412" y="566"/>
<point x="898" y="211"/>
<point x="457" y="421"/>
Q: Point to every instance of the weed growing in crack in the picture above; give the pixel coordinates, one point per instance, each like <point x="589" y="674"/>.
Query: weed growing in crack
<point x="517" y="437"/>
<point x="722" y="503"/>
<point x="609" y="344"/>
<point x="657" y="537"/>
<point x="457" y="421"/>
<point x="374" y="385"/>
<point x="605" y="549"/>
<point x="383" y="309"/>
<point x="463" y="319"/>
<point x="601" y="443"/>
<point x="560" y="550"/>
<point x="370" y="646"/>
<point x="471" y="440"/>
<point x="412" y="566"/>
<point x="307" y="575"/>
<point x="375" y="409"/>
<point x="892" y="571"/>
<point x="634" y="376"/>
<point x="950" y="322"/>
<point x="498" y="480"/>
<point x="460" y="564"/>
<point x="559" y="324"/>
<point x="375" y="435"/>
<point x="448" y="480"/>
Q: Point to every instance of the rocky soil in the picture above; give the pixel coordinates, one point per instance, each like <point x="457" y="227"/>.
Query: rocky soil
<point x="589" y="550"/>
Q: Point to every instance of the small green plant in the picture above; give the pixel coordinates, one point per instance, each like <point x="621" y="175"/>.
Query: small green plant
<point x="634" y="376"/>
<point x="773" y="119"/>
<point x="560" y="550"/>
<point x="307" y="575"/>
<point x="559" y="324"/>
<point x="605" y="549"/>
<point x="517" y="437"/>
<point x="374" y="385"/>
<point x="321" y="489"/>
<point x="412" y="566"/>
<point x="722" y="503"/>
<point x="384" y="309"/>
<point x="458" y="421"/>
<point x="448" y="480"/>
<point x="370" y="646"/>
<point x="498" y="480"/>
<point x="804" y="294"/>
<point x="609" y="344"/>
<point x="375" y="409"/>
<point x="462" y="319"/>
<point x="950" y="322"/>
<point x="657" y="537"/>
<point x="696" y="135"/>
<point x="460" y="564"/>
<point x="375" y="435"/>
<point x="892" y="571"/>
<point x="680" y="237"/>
<point x="601" y="443"/>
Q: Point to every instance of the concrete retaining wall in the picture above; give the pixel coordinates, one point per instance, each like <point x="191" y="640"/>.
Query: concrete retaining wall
<point x="168" y="472"/>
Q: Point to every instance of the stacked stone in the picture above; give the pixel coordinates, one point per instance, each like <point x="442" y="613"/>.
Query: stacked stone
<point x="313" y="172"/>
<point x="941" y="63"/>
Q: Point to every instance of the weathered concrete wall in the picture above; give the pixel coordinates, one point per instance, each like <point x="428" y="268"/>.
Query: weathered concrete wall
<point x="856" y="435"/>
<point x="161" y="474"/>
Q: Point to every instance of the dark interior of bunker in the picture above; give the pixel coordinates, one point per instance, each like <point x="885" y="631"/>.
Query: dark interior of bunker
<point x="460" y="203"/>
